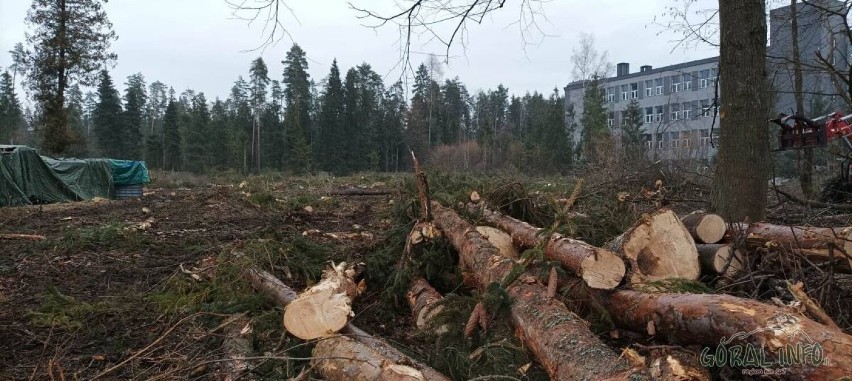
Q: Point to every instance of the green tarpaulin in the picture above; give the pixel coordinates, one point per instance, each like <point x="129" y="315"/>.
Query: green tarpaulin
<point x="28" y="178"/>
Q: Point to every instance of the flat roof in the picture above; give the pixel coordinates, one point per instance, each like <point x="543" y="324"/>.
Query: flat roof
<point x="657" y="70"/>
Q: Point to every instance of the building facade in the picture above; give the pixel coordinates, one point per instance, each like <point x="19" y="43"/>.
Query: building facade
<point x="679" y="104"/>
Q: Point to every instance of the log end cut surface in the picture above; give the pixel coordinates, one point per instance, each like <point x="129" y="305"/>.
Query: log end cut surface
<point x="320" y="314"/>
<point x="603" y="271"/>
<point x="500" y="240"/>
<point x="662" y="248"/>
<point x="710" y="228"/>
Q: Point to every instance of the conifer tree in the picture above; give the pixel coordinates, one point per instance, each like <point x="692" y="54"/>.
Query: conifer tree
<point x="171" y="137"/>
<point x="198" y="140"/>
<point x="596" y="134"/>
<point x="330" y="124"/>
<point x="259" y="80"/>
<point x="108" y="123"/>
<point x="135" y="99"/>
<point x="297" y="115"/>
<point x="632" y="132"/>
<point x="11" y="116"/>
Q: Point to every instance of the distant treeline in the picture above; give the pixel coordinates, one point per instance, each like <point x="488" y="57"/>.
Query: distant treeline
<point x="343" y="125"/>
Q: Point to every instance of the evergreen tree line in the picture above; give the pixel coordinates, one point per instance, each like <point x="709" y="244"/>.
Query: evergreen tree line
<point x="349" y="122"/>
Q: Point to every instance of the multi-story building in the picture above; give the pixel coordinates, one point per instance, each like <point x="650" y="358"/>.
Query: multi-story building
<point x="678" y="101"/>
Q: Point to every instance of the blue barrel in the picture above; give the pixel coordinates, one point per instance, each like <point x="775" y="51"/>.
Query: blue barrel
<point x="123" y="192"/>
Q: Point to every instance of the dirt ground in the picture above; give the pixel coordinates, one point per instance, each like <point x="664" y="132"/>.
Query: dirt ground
<point x="101" y="287"/>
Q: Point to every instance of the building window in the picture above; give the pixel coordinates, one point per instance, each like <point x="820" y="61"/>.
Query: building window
<point x="687" y="81"/>
<point x="649" y="114"/>
<point x="687" y="142"/>
<point x="704" y="139"/>
<point x="675" y="115"/>
<point x="624" y="119"/>
<point x="649" y="88"/>
<point x="658" y="83"/>
<point x="660" y="141"/>
<point x="624" y="91"/>
<point x="676" y="85"/>
<point x="634" y="90"/>
<point x="658" y="115"/>
<point x="686" y="110"/>
<point x="648" y="141"/>
<point x="610" y="119"/>
<point x="675" y="138"/>
<point x="610" y="95"/>
<point x="705" y="108"/>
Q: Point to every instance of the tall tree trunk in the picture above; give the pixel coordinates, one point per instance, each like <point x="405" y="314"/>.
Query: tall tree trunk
<point x="742" y="173"/>
<point x="806" y="167"/>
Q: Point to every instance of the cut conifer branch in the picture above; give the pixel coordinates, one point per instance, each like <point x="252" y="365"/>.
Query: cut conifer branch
<point x="817" y="244"/>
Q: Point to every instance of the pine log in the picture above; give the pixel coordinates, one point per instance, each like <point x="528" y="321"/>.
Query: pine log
<point x="600" y="268"/>
<point x="814" y="243"/>
<point x="658" y="247"/>
<point x="29" y="237"/>
<point x="342" y="358"/>
<point x="558" y="338"/>
<point x="708" y="320"/>
<point x="422" y="298"/>
<point x="324" y="308"/>
<point x="276" y="290"/>
<point x="720" y="259"/>
<point x="705" y="227"/>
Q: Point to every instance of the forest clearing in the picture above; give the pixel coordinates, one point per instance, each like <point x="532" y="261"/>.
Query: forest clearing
<point x="162" y="287"/>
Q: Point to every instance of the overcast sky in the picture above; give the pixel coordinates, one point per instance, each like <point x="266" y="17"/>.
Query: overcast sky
<point x="198" y="44"/>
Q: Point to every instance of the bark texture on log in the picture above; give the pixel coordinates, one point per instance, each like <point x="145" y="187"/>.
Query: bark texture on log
<point x="281" y="293"/>
<point x="707" y="319"/>
<point x="343" y="358"/>
<point x="658" y="247"/>
<point x="705" y="227"/>
<point x="720" y="259"/>
<point x="324" y="308"/>
<point x="600" y="268"/>
<point x="814" y="243"/>
<point x="559" y="339"/>
<point x="421" y="298"/>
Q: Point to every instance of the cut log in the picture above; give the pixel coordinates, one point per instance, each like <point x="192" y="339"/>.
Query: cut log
<point x="708" y="320"/>
<point x="705" y="227"/>
<point x="500" y="240"/>
<point x="421" y="298"/>
<point x="599" y="268"/>
<point x="720" y="259"/>
<point x="658" y="247"/>
<point x="276" y="290"/>
<point x="559" y="339"/>
<point x="28" y="237"/>
<point x="342" y="358"/>
<point x="324" y="308"/>
<point x="814" y="243"/>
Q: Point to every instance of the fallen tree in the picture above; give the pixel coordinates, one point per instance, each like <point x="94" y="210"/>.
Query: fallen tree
<point x="559" y="339"/>
<point x="325" y="308"/>
<point x="343" y="358"/>
<point x="283" y="295"/>
<point x="422" y="298"/>
<point x="721" y="322"/>
<point x="599" y="268"/>
<point x="705" y="227"/>
<point x="658" y="247"/>
<point x="817" y="244"/>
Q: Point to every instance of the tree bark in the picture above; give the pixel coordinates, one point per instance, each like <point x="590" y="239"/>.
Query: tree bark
<point x="740" y="181"/>
<point x="421" y="298"/>
<point x="720" y="259"/>
<point x="599" y="268"/>
<point x="711" y="320"/>
<point x="276" y="290"/>
<point x="324" y="308"/>
<point x="658" y="247"/>
<point x="342" y="358"/>
<point x="559" y="339"/>
<point x="818" y="244"/>
<point x="705" y="227"/>
<point x="806" y="168"/>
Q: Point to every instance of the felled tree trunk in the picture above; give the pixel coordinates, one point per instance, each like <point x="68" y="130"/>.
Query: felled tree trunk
<point x="711" y="320"/>
<point x="273" y="288"/>
<point x="421" y="298"/>
<point x="705" y="227"/>
<point x="658" y="247"/>
<point x="720" y="259"/>
<point x="559" y="339"/>
<point x="324" y="308"/>
<point x="814" y="243"/>
<point x="342" y="358"/>
<point x="599" y="268"/>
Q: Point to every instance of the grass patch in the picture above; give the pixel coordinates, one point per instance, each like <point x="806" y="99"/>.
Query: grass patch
<point x="59" y="310"/>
